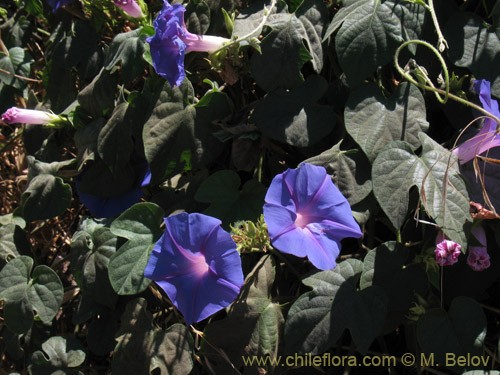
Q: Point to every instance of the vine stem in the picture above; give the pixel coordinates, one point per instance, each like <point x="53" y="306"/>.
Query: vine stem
<point x="442" y="43"/>
<point x="446" y="93"/>
<point x="252" y="34"/>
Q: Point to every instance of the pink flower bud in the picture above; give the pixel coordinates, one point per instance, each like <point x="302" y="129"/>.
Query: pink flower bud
<point x="478" y="258"/>
<point x="130" y="7"/>
<point x="28" y="116"/>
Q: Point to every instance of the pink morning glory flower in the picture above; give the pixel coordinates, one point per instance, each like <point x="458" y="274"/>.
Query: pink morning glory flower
<point x="447" y="251"/>
<point x="478" y="258"/>
<point x="487" y="137"/>
<point x="130" y="7"/>
<point x="172" y="41"/>
<point x="16" y="115"/>
<point x="196" y="263"/>
<point x="307" y="215"/>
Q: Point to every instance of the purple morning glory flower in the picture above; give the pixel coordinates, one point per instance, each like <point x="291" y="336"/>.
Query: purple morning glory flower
<point x="172" y="40"/>
<point x="447" y="251"/>
<point x="307" y="215"/>
<point x="130" y="7"/>
<point x="196" y="263"/>
<point x="56" y="4"/>
<point x="487" y="137"/>
<point x="109" y="207"/>
<point x="478" y="258"/>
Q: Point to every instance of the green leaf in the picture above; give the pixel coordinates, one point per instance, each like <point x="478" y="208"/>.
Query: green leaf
<point x="227" y="202"/>
<point x="22" y="294"/>
<point x="91" y="250"/>
<point x="475" y="47"/>
<point x="59" y="355"/>
<point x="8" y="248"/>
<point x="126" y="267"/>
<point x="350" y="171"/>
<point x="461" y="330"/>
<point x="197" y="17"/>
<point x="37" y="167"/>
<point x="98" y="97"/>
<point x="168" y="350"/>
<point x="318" y="318"/>
<point x="45" y="293"/>
<point x="386" y="266"/>
<point x="374" y="121"/>
<point x="254" y="320"/>
<point x="140" y="222"/>
<point x="114" y="143"/>
<point x="179" y="136"/>
<point x="45" y="197"/>
<point x="127" y="49"/>
<point x="293" y="116"/>
<point x="18" y="62"/>
<point x="369" y="31"/>
<point x="435" y="173"/>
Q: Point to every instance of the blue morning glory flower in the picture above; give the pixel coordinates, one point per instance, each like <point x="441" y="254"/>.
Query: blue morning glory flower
<point x="110" y="207"/>
<point x="196" y="263"/>
<point x="307" y="215"/>
<point x="56" y="4"/>
<point x="172" y="41"/>
<point x="487" y="137"/>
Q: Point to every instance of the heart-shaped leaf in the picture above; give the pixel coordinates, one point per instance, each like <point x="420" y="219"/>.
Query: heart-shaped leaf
<point x="59" y="355"/>
<point x="318" y="318"/>
<point x="475" y="47"/>
<point x="374" y="121"/>
<point x="443" y="193"/>
<point x="254" y="320"/>
<point x="227" y="202"/>
<point x="169" y="351"/>
<point x="293" y="116"/>
<point x="140" y="222"/>
<point x="22" y="294"/>
<point x="369" y="31"/>
<point x="461" y="330"/>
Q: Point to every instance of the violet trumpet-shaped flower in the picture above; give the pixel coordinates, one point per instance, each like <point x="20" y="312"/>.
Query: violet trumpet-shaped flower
<point x="478" y="258"/>
<point x="16" y="115"/>
<point x="109" y="207"/>
<point x="196" y="263"/>
<point x="56" y="4"/>
<point x="487" y="137"/>
<point x="447" y="251"/>
<point x="307" y="215"/>
<point x="172" y="41"/>
<point x="130" y="7"/>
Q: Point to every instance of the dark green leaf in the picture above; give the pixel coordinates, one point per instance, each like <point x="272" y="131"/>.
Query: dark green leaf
<point x="374" y="121"/>
<point x="350" y="171"/>
<point x="254" y="320"/>
<point x="227" y="202"/>
<point x="197" y="17"/>
<point x="475" y="47"/>
<point x="461" y="330"/>
<point x="8" y="248"/>
<point x="114" y="144"/>
<point x="46" y="196"/>
<point x="59" y="354"/>
<point x="293" y="116"/>
<point x="142" y="348"/>
<point x="16" y="63"/>
<point x="318" y="318"/>
<point x="140" y="222"/>
<point x="369" y="31"/>
<point x="98" y="97"/>
<point x="179" y="136"/>
<point x="126" y="267"/>
<point x="386" y="266"/>
<point x="127" y="49"/>
<point x="435" y="173"/>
